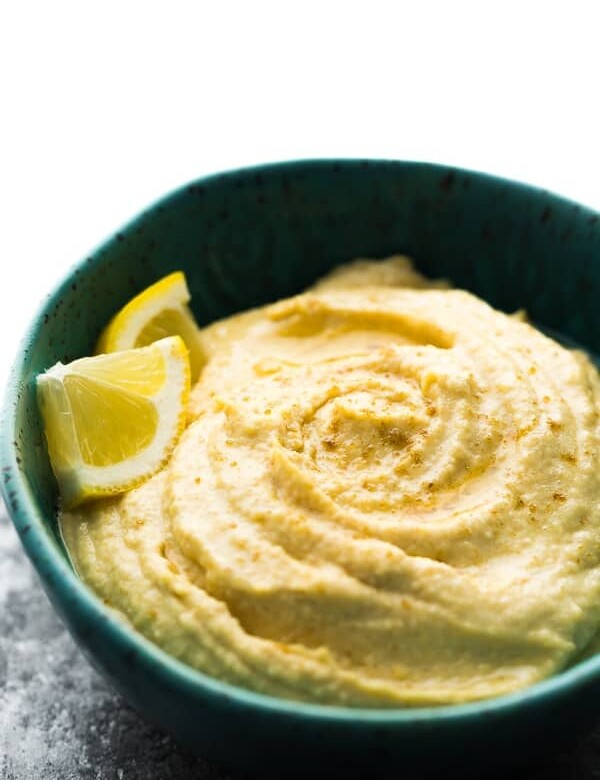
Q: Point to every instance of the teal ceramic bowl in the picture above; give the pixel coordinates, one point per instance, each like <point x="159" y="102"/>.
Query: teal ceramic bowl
<point x="251" y="236"/>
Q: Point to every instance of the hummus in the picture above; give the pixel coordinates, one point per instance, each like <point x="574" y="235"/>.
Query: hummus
<point x="387" y="495"/>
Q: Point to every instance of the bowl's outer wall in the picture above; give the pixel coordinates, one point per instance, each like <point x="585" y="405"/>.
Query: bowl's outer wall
<point x="248" y="237"/>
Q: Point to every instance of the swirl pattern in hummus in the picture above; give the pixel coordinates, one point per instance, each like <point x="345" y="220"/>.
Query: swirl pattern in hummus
<point x="388" y="495"/>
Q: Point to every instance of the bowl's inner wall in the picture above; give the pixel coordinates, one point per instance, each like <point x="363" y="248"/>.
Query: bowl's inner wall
<point x="254" y="236"/>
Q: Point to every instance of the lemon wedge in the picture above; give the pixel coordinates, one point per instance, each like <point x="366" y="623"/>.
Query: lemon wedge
<point x="158" y="311"/>
<point x="111" y="421"/>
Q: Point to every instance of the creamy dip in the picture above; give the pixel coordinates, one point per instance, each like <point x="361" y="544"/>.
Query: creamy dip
<point x="387" y="495"/>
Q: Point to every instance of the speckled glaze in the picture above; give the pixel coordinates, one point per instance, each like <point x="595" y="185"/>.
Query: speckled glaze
<point x="251" y="236"/>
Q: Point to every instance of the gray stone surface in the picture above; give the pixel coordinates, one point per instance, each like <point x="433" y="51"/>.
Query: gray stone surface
<point x="60" y="721"/>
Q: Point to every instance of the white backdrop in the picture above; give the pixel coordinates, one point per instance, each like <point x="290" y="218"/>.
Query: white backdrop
<point x="108" y="105"/>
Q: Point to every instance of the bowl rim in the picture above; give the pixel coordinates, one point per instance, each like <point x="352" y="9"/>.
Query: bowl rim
<point x="75" y="597"/>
